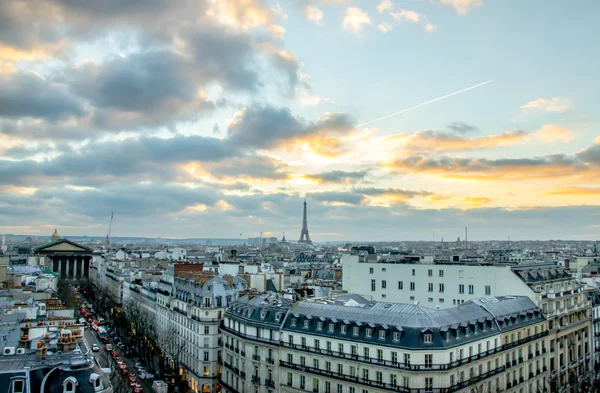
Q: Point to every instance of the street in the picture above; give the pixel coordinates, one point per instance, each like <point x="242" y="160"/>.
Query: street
<point x="106" y="361"/>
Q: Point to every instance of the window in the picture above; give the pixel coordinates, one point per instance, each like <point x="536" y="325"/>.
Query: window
<point x="407" y="359"/>
<point x="383" y="284"/>
<point x="413" y="272"/>
<point x="328" y="366"/>
<point x="373" y="286"/>
<point x="383" y="269"/>
<point x="461" y="288"/>
<point x="430" y="287"/>
<point x="306" y="323"/>
<point x="428" y="360"/>
<point x="302" y="361"/>
<point x="320" y="325"/>
<point x="406" y="382"/>
<point x="366" y="374"/>
<point x="18" y="386"/>
<point x="206" y="372"/>
<point x="206" y="356"/>
<point x="355" y="330"/>
<point x="294" y="320"/>
<point x="340" y="368"/>
<point x="430" y="299"/>
<point x="302" y="341"/>
<point x="488" y="290"/>
<point x="400" y="285"/>
<point x="341" y="348"/>
<point x="328" y="345"/>
<point x="394" y="358"/>
<point x="441" y="287"/>
<point x="441" y="300"/>
<point x="427" y="338"/>
<point x="428" y="384"/>
<point x="368" y="332"/>
<point x="430" y="272"/>
<point x="412" y="286"/>
<point x="441" y="273"/>
<point x="316" y="364"/>
<point x="339" y="388"/>
<point x="379" y="355"/>
<point x="382" y="334"/>
<point x="331" y="327"/>
<point x="396" y="336"/>
<point x="302" y="381"/>
<point x="206" y="329"/>
<point x="366" y="353"/>
<point x="370" y="270"/>
<point x="343" y="329"/>
<point x="205" y="342"/>
<point x="393" y="379"/>
<point x="289" y="379"/>
<point x="290" y="358"/>
<point x="317" y="344"/>
<point x="327" y="387"/>
<point x="471" y="289"/>
<point x="379" y="376"/>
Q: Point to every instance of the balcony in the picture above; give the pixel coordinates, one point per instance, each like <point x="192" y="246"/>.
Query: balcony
<point x="256" y="379"/>
<point x="243" y="353"/>
<point x="530" y="355"/>
<point x="256" y="358"/>
<point x="270" y="383"/>
<point x="270" y="360"/>
<point x="422" y="367"/>
<point x="237" y="350"/>
<point x="247" y="337"/>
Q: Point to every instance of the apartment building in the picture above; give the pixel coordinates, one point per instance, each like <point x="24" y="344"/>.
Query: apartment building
<point x="251" y="334"/>
<point x="189" y="306"/>
<point x="350" y="346"/>
<point x="551" y="286"/>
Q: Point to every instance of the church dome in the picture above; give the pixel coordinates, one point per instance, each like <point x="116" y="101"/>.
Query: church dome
<point x="55" y="235"/>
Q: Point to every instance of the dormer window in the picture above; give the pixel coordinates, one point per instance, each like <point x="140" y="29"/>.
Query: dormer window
<point x="69" y="385"/>
<point x="294" y="321"/>
<point x="18" y="386"/>
<point x="368" y="332"/>
<point x="306" y="323"/>
<point x="427" y="338"/>
<point x="320" y="325"/>
<point x="331" y="327"/>
<point x="355" y="331"/>
<point x="382" y="334"/>
<point x="263" y="314"/>
<point x="343" y="329"/>
<point x="396" y="336"/>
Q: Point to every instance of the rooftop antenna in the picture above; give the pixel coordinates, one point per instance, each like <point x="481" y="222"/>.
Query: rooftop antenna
<point x="466" y="238"/>
<point x="112" y="215"/>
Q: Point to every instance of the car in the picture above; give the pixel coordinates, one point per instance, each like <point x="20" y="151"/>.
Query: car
<point x="146" y="375"/>
<point x="114" y="354"/>
<point x="137" y="365"/>
<point x="132" y="377"/>
<point x="121" y="345"/>
<point x="109" y="347"/>
<point x="95" y="347"/>
<point x="105" y="340"/>
<point x="124" y="370"/>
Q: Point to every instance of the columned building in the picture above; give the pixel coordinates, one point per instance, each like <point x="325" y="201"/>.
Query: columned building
<point x="71" y="261"/>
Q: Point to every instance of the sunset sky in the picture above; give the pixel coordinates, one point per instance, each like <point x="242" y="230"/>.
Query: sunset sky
<point x="215" y="118"/>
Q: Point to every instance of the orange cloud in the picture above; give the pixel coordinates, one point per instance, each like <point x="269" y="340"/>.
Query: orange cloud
<point x="552" y="133"/>
<point x="576" y="191"/>
<point x="476" y="201"/>
<point x="435" y="141"/>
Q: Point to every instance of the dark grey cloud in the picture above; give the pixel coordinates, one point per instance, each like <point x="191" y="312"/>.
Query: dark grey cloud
<point x="252" y="166"/>
<point x="338" y="176"/>
<point x="25" y="94"/>
<point x="591" y="154"/>
<point x="266" y="127"/>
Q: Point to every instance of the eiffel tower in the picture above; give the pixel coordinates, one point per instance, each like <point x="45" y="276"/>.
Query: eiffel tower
<point x="304" y="235"/>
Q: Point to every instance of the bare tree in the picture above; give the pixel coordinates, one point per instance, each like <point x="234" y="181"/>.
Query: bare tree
<point x="142" y="327"/>
<point x="172" y="347"/>
<point x="65" y="293"/>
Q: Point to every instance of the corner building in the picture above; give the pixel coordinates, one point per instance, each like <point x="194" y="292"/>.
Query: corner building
<point x="484" y="345"/>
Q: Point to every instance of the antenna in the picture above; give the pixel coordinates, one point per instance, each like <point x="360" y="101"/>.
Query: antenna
<point x="466" y="238"/>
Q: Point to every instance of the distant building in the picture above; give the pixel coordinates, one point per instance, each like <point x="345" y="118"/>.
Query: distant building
<point x="69" y="259"/>
<point x="55" y="236"/>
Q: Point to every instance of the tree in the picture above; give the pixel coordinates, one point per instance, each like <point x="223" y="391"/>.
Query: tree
<point x="65" y="293"/>
<point x="172" y="349"/>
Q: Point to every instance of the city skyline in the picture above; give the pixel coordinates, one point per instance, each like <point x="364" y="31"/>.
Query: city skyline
<point x="223" y="117"/>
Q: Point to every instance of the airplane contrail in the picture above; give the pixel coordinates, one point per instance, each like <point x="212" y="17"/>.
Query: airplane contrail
<point x="425" y="103"/>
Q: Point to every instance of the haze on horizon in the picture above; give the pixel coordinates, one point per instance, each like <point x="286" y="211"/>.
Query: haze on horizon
<point x="211" y="119"/>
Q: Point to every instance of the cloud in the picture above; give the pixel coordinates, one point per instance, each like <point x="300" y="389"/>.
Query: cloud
<point x="385" y="27"/>
<point x="554" y="104"/>
<point x="355" y="19"/>
<point x="306" y="99"/>
<point x="337" y="176"/>
<point x="508" y="169"/>
<point x="551" y="133"/>
<point x="433" y="141"/>
<point x="337" y="197"/>
<point x="462" y="128"/>
<point x="476" y="201"/>
<point x="385" y="5"/>
<point x="312" y="13"/>
<point x="406" y="16"/>
<point x="462" y="7"/>
<point x="24" y="94"/>
<point x="268" y="127"/>
<point x="576" y="191"/>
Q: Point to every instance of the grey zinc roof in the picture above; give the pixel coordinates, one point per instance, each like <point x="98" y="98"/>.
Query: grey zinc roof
<point x="414" y="316"/>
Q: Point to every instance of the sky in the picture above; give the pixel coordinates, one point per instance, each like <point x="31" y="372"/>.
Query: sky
<point x="215" y="119"/>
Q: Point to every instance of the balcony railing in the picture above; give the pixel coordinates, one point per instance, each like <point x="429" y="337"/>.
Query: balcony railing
<point x="256" y="358"/>
<point x="270" y="360"/>
<point x="390" y="387"/>
<point x="270" y="383"/>
<point x="247" y="337"/>
<point x="418" y="367"/>
<point x="256" y="379"/>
